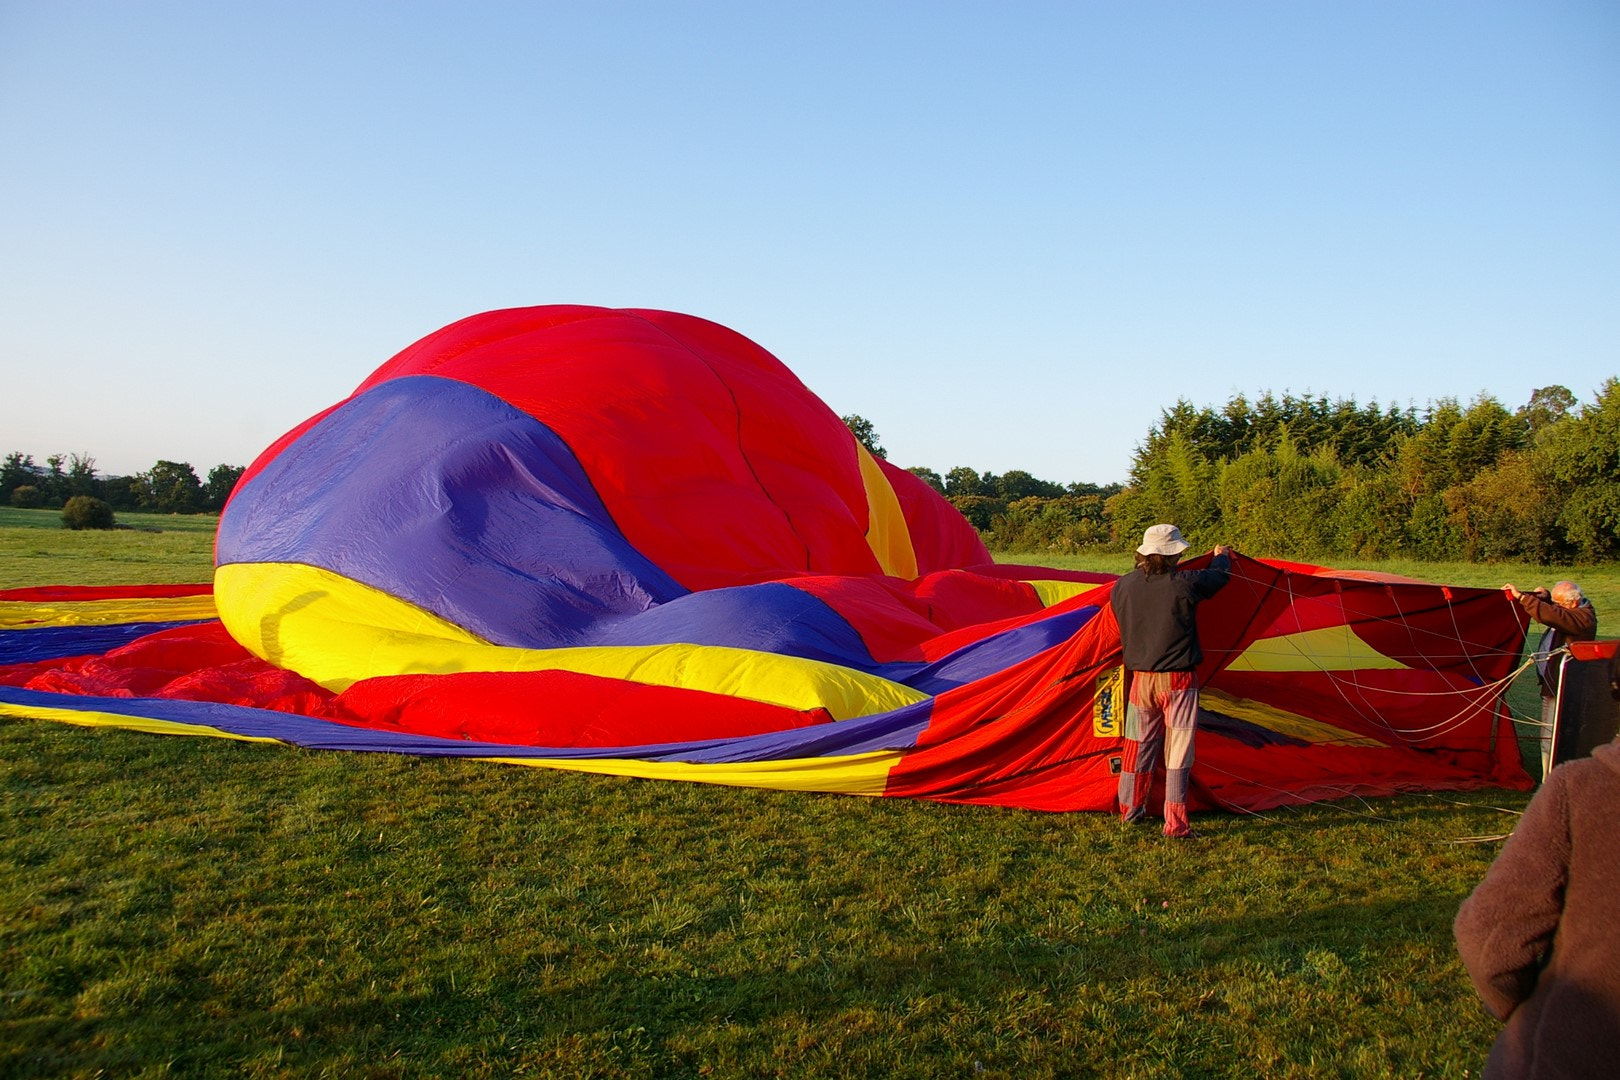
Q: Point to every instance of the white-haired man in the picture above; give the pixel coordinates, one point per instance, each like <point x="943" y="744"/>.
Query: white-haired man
<point x="1568" y="616"/>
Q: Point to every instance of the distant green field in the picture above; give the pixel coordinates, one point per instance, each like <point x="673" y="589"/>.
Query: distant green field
<point x="148" y="549"/>
<point x="173" y="548"/>
<point x="198" y="907"/>
<point x="1600" y="583"/>
<point x="176" y="549"/>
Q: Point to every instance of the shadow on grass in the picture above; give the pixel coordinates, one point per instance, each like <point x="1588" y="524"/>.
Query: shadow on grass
<point x="1025" y="1003"/>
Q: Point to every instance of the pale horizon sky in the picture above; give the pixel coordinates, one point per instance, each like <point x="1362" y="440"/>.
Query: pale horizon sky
<point x="1009" y="235"/>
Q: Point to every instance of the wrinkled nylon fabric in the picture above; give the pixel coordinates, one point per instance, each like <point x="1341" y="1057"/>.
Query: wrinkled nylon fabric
<point x="632" y="542"/>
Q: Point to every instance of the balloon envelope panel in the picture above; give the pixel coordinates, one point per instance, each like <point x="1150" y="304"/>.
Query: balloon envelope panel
<point x="633" y="542"/>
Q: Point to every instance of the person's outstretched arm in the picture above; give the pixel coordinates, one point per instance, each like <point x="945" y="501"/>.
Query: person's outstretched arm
<point x="1213" y="577"/>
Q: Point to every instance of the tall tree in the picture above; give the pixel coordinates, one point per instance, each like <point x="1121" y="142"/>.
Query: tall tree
<point x="1545" y="408"/>
<point x="54" y="482"/>
<point x="1453" y="443"/>
<point x="17" y="470"/>
<point x="929" y="477"/>
<point x="1175" y="483"/>
<point x="963" y="481"/>
<point x="81" y="476"/>
<point x="1018" y="484"/>
<point x="1510" y="510"/>
<point x="221" y="482"/>
<point x="170" y="487"/>
<point x="1584" y="452"/>
<point x="865" y="434"/>
<point x="1281" y="502"/>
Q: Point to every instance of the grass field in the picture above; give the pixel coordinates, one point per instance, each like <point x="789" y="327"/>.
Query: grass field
<point x="1600" y="583"/>
<point x="150" y="549"/>
<point x="198" y="907"/>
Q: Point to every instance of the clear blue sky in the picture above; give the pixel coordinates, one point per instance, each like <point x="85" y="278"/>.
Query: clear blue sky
<point x="1008" y="234"/>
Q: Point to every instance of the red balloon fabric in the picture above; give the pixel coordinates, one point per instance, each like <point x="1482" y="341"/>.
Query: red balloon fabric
<point x="633" y="542"/>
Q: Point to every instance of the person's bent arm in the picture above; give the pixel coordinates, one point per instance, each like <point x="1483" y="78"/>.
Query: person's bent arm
<point x="1213" y="577"/>
<point x="1578" y="624"/>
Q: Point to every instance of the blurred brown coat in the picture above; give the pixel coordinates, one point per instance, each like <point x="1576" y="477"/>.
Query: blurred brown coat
<point x="1540" y="936"/>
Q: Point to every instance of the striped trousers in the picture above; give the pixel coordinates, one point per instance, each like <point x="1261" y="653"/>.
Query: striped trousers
<point x="1161" y="719"/>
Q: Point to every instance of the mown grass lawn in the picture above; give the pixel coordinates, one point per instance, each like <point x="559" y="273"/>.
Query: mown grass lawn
<point x="148" y="549"/>
<point x="199" y="907"/>
<point x="1600" y="582"/>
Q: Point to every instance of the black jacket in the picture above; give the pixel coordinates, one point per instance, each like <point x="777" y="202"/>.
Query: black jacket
<point x="1155" y="615"/>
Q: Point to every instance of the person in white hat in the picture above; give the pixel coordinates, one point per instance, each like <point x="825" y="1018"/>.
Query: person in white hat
<point x="1154" y="605"/>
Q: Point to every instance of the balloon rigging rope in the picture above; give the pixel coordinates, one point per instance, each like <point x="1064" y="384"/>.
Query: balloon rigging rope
<point x="1471" y="805"/>
<point x="1343" y="793"/>
<point x="1354" y="694"/>
<point x="1364" y="709"/>
<point x="1400" y="620"/>
<point x="1338" y="807"/>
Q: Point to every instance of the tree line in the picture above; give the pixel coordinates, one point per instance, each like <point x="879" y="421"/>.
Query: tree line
<point x="1313" y="477"/>
<point x="1309" y="478"/>
<point x="168" y="487"/>
<point x="1295" y="477"/>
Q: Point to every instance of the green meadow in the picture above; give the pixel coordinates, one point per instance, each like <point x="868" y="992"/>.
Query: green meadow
<point x="147" y="549"/>
<point x="178" y="906"/>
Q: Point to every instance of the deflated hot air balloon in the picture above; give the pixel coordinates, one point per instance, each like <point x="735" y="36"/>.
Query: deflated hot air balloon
<point x="633" y="542"/>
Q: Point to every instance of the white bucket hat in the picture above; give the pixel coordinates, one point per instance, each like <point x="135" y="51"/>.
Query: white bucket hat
<point x="1162" y="540"/>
